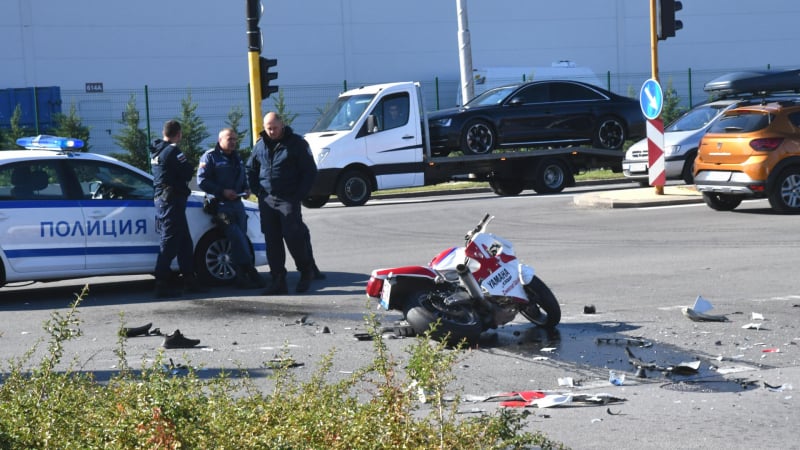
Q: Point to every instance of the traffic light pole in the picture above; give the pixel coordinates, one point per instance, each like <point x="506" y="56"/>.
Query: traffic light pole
<point x="659" y="190"/>
<point x="253" y="54"/>
<point x="255" y="95"/>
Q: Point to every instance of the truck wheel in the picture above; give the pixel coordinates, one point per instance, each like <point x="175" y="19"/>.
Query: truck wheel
<point x="212" y="259"/>
<point x="688" y="167"/>
<point x="551" y="176"/>
<point x="477" y="138"/>
<point x="721" y="202"/>
<point x="354" y="188"/>
<point x="507" y="188"/>
<point x="316" y="201"/>
<point x="609" y="134"/>
<point x="785" y="194"/>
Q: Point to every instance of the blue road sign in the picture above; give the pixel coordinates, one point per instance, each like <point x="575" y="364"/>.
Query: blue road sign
<point x="651" y="99"/>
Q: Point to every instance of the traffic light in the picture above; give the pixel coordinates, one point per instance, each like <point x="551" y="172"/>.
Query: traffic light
<point x="667" y="25"/>
<point x="266" y="76"/>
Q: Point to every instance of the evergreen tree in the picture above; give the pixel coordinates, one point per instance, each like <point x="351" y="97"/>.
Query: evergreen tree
<point x="133" y="139"/>
<point x="193" y="129"/>
<point x="282" y="111"/>
<point x="17" y="130"/>
<point x="672" y="105"/>
<point x="233" y="121"/>
<point x="69" y="125"/>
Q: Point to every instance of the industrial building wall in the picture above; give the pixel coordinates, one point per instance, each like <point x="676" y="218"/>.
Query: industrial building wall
<point x="201" y="43"/>
<point x="200" y="47"/>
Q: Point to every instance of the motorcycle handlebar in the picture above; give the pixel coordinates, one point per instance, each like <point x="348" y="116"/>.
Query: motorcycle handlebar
<point x="480" y="227"/>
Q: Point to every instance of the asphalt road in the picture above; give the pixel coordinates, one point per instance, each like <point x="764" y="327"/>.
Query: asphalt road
<point x="636" y="266"/>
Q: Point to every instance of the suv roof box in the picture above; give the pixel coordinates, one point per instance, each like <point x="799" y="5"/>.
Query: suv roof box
<point x="755" y="82"/>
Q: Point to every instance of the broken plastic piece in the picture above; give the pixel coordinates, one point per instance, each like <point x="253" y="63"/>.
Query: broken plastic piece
<point x="752" y="326"/>
<point x="589" y="309"/>
<point x="757" y="316"/>
<point x="686" y="368"/>
<point x="702" y="305"/>
<point x="698" y="312"/>
<point x="771" y="350"/>
<point x="566" y="381"/>
<point x="617" y="379"/>
<point x="549" y="401"/>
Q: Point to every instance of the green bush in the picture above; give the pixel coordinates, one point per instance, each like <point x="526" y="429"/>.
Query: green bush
<point x="154" y="408"/>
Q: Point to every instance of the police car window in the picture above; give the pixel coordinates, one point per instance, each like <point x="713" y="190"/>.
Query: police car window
<point x="36" y="180"/>
<point x="104" y="181"/>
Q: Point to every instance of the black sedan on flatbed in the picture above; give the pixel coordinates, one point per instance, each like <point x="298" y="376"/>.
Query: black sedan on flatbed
<point x="552" y="113"/>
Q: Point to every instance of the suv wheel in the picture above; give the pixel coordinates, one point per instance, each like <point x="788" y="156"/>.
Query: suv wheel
<point x="785" y="195"/>
<point x="721" y="202"/>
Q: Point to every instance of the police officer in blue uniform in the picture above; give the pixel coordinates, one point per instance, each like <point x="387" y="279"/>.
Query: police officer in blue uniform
<point x="222" y="174"/>
<point x="171" y="175"/>
<point x="281" y="171"/>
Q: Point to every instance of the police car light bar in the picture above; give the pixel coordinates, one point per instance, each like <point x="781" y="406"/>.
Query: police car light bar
<point x="45" y="142"/>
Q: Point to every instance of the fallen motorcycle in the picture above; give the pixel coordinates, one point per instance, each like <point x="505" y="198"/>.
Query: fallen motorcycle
<point x="467" y="290"/>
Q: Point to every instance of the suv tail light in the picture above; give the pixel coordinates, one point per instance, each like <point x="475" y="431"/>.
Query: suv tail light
<point x="765" y="144"/>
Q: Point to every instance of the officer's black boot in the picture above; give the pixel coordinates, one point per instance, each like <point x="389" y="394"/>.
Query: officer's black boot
<point x="245" y="279"/>
<point x="255" y="277"/>
<point x="318" y="275"/>
<point x="277" y="287"/>
<point x="305" y="281"/>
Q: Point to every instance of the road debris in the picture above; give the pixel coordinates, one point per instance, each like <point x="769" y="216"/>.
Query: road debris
<point x="699" y="312"/>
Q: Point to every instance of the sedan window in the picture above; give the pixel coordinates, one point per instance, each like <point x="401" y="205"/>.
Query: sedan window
<point x="100" y="180"/>
<point x="30" y="181"/>
<point x="571" y="92"/>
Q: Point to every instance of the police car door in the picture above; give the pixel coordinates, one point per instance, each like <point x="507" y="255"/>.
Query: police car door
<point x="120" y="217"/>
<point x="40" y="226"/>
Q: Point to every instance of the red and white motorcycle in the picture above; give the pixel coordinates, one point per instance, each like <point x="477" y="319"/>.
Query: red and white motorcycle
<point x="469" y="289"/>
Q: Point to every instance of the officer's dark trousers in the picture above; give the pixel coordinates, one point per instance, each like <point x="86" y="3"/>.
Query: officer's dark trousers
<point x="279" y="227"/>
<point x="176" y="241"/>
<point x="236" y="232"/>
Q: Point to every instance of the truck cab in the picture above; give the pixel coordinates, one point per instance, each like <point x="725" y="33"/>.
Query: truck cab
<point x="371" y="138"/>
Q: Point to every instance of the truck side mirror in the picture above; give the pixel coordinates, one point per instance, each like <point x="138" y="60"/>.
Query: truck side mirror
<point x="371" y="127"/>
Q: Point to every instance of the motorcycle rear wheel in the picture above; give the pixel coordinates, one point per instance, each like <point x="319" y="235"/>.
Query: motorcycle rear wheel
<point x="457" y="322"/>
<point x="543" y="309"/>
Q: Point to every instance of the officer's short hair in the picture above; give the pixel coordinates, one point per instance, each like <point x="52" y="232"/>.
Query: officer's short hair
<point x="171" y="128"/>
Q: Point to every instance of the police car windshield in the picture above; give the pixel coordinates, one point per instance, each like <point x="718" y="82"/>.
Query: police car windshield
<point x="344" y="114"/>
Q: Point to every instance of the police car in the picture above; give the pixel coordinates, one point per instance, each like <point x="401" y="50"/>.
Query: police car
<point x="68" y="214"/>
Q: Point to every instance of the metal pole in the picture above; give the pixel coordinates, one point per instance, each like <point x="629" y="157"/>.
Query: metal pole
<point x="659" y="190"/>
<point x="464" y="53"/>
<point x="254" y="50"/>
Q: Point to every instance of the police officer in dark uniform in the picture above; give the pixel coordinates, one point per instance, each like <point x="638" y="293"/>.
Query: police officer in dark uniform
<point x="222" y="174"/>
<point x="171" y="175"/>
<point x="281" y="171"/>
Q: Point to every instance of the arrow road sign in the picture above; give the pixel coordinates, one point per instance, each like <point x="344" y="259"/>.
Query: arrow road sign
<point x="651" y="99"/>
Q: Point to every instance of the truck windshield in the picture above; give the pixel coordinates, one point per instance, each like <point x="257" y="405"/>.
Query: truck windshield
<point x="344" y="114"/>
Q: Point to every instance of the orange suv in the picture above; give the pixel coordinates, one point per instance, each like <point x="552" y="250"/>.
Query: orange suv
<point x="752" y="151"/>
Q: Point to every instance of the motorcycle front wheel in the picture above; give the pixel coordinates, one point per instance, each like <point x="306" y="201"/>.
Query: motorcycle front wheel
<point x="543" y="309"/>
<point x="457" y="322"/>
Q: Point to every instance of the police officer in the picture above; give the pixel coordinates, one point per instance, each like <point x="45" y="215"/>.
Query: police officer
<point x="281" y="170"/>
<point x="171" y="175"/>
<point x="222" y="174"/>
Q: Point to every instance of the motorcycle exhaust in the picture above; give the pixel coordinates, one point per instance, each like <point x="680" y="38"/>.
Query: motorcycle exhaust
<point x="471" y="284"/>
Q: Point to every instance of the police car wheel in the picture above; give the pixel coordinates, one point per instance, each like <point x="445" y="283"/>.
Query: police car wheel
<point x="212" y="259"/>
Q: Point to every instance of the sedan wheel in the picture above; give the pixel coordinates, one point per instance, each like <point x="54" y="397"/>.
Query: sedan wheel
<point x="610" y="134"/>
<point x="477" y="138"/>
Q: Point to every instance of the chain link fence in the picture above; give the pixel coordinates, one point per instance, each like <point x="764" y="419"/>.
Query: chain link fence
<point x="103" y="112"/>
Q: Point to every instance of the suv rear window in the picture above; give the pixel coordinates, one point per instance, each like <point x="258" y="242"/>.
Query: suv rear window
<point x="741" y="122"/>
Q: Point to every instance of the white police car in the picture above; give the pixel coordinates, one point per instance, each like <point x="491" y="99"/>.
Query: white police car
<point x="67" y="214"/>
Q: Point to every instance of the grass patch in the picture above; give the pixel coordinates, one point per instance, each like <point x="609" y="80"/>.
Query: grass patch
<point x="374" y="408"/>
